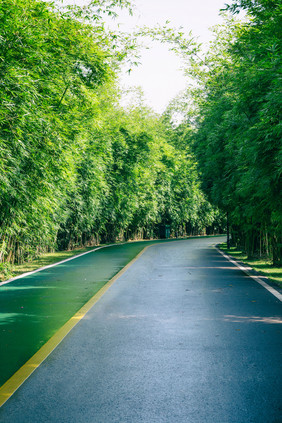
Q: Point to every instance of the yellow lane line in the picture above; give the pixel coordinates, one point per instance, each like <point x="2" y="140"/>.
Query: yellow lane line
<point x="12" y="384"/>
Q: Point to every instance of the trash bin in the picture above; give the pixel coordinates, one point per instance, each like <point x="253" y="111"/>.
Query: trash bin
<point x="165" y="231"/>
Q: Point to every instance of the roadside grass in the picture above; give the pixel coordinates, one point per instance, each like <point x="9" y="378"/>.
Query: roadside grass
<point x="261" y="265"/>
<point x="46" y="259"/>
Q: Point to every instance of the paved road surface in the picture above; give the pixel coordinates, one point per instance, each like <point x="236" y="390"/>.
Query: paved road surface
<point x="182" y="336"/>
<point x="35" y="307"/>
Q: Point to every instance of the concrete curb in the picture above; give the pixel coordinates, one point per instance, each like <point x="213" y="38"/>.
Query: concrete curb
<point x="254" y="275"/>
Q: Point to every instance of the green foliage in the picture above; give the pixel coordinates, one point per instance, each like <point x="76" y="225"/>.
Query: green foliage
<point x="76" y="168"/>
<point x="238" y="137"/>
<point x="48" y="67"/>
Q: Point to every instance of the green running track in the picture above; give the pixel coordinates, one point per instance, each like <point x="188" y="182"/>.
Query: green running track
<point x="33" y="308"/>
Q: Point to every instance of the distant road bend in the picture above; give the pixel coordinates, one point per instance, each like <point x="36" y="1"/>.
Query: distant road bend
<point x="182" y="335"/>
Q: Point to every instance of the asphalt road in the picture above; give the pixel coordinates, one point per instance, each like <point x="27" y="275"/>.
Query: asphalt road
<point x="182" y="336"/>
<point x="35" y="307"/>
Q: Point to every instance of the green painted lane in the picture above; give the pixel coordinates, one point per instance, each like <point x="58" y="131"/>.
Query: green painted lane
<point x="33" y="308"/>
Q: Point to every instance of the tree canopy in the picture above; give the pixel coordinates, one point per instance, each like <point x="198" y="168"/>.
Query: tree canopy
<point x="237" y="138"/>
<point x="76" y="168"/>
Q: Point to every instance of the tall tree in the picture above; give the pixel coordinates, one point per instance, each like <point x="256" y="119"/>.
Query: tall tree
<point x="238" y="139"/>
<point x="49" y="65"/>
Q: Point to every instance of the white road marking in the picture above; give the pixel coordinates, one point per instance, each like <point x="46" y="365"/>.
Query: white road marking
<point x="55" y="264"/>
<point x="256" y="278"/>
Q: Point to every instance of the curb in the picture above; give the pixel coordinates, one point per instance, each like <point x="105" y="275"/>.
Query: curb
<point x="252" y="274"/>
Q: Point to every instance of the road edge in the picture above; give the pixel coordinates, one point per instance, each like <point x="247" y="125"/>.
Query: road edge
<point x="248" y="271"/>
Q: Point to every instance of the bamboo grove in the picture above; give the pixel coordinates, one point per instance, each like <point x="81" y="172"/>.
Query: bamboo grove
<point x="238" y="137"/>
<point x="232" y="120"/>
<point x="78" y="169"/>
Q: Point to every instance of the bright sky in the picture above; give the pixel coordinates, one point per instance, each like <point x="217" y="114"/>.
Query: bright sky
<point x="159" y="75"/>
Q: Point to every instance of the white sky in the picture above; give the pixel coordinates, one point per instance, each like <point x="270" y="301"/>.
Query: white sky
<point x="159" y="74"/>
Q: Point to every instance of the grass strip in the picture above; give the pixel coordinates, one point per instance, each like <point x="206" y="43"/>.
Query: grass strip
<point x="261" y="265"/>
<point x="45" y="259"/>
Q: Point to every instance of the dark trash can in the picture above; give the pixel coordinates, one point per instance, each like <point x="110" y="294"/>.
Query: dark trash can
<point x="165" y="231"/>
